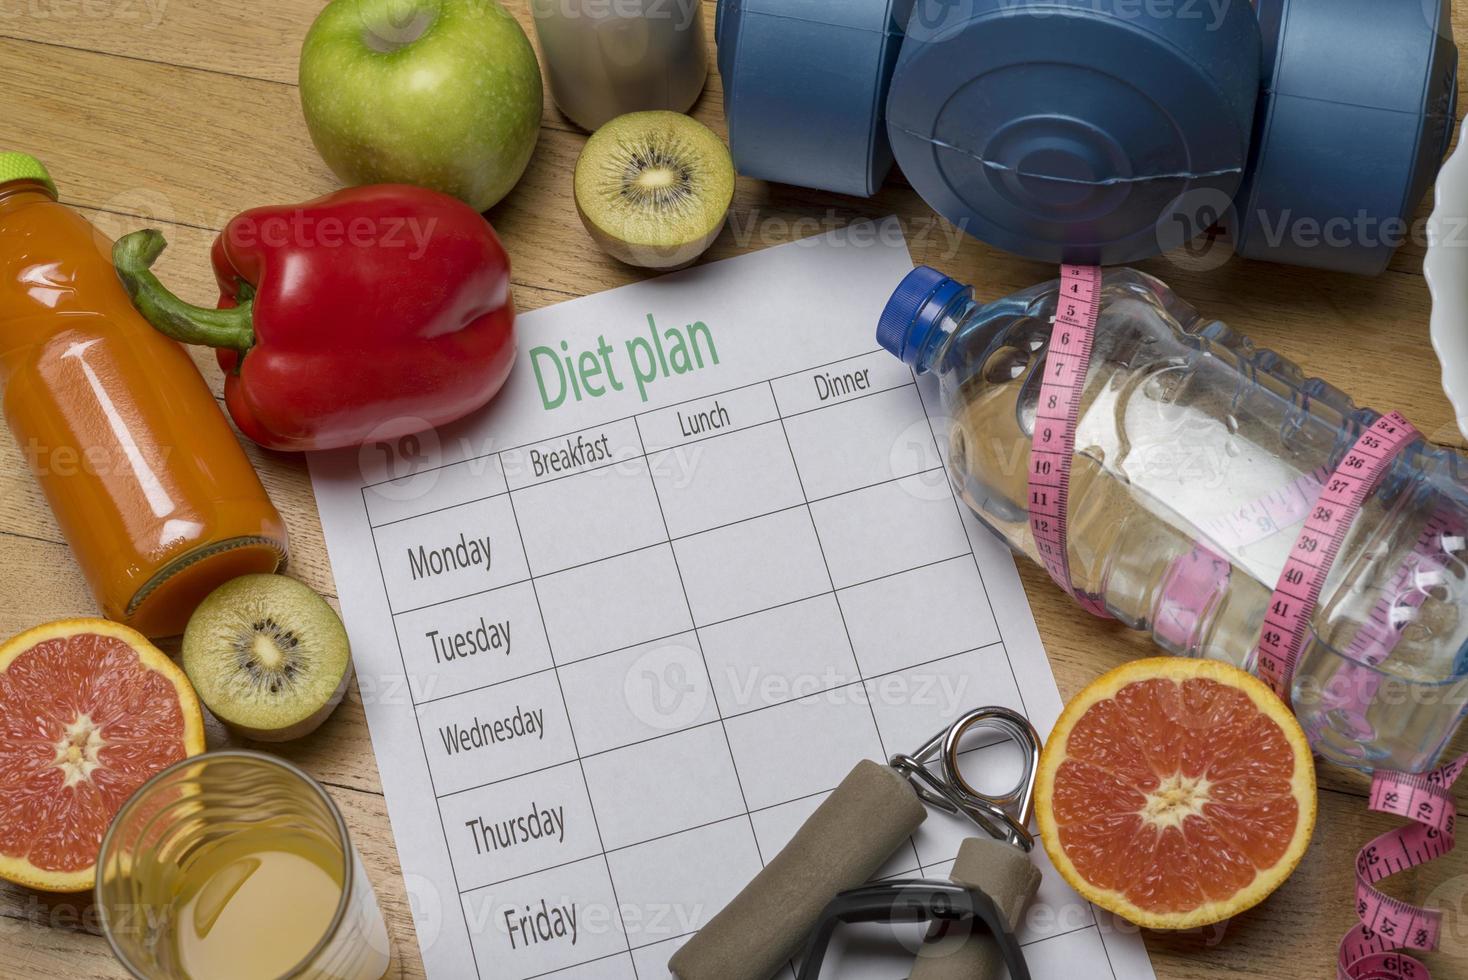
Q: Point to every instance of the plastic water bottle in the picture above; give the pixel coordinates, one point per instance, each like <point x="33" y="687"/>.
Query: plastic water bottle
<point x="1198" y="458"/>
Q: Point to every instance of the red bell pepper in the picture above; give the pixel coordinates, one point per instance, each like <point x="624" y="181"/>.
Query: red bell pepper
<point x="363" y="316"/>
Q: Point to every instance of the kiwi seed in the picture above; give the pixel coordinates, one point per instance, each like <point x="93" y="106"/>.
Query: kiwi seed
<point x="268" y="657"/>
<point x="653" y="188"/>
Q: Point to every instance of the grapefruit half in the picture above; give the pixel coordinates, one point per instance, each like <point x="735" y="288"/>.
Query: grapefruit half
<point x="1176" y="793"/>
<point x="88" y="711"/>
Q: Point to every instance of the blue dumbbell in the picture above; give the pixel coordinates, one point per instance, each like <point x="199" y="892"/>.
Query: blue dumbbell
<point x="1108" y="130"/>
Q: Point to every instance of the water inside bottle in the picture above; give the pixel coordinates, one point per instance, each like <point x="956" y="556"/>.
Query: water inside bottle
<point x="1198" y="460"/>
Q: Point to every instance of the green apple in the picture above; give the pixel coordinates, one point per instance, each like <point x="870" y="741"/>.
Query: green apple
<point x="441" y="93"/>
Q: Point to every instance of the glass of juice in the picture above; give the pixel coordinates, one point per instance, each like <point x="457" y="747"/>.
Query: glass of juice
<point x="236" y="865"/>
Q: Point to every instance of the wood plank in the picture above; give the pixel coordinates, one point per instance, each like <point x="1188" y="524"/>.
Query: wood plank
<point x="181" y="110"/>
<point x="1288" y="309"/>
<point x="260" y="40"/>
<point x="39" y="948"/>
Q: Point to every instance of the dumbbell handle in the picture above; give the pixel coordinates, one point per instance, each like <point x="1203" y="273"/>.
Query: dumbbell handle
<point x="849" y="837"/>
<point x="1008" y="876"/>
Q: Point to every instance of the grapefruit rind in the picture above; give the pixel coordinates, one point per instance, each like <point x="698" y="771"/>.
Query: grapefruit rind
<point x="23" y="872"/>
<point x="1178" y="669"/>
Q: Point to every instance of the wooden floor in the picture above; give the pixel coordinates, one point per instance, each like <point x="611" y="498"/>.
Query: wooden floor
<point x="179" y="113"/>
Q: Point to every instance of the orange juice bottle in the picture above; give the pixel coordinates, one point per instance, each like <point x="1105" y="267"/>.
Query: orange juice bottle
<point x="146" y="478"/>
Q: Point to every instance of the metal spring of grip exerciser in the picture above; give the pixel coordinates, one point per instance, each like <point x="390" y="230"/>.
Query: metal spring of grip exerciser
<point x="1005" y="817"/>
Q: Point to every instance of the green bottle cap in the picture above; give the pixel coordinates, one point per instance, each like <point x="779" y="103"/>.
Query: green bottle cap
<point x="23" y="166"/>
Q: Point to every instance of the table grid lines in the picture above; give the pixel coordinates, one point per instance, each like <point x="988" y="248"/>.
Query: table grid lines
<point x="580" y="763"/>
<point x="702" y="656"/>
<point x="978" y="566"/>
<point x="785" y="431"/>
<point x="656" y="546"/>
<point x="860" y="682"/>
<point x="422" y="743"/>
<point x="608" y="423"/>
<point x="697" y="625"/>
<point x="633" y="459"/>
<point x="919" y="867"/>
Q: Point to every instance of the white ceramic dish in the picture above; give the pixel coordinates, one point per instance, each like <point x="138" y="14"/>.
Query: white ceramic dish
<point x="1446" y="269"/>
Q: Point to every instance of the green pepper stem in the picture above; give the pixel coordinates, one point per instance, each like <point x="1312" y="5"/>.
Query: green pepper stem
<point x="231" y="329"/>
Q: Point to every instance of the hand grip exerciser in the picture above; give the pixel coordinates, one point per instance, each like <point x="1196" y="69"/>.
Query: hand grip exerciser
<point x="852" y="834"/>
<point x="1010" y="879"/>
<point x="971" y="936"/>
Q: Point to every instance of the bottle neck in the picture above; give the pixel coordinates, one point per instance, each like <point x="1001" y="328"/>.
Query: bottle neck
<point x="941" y="330"/>
<point x="38" y="240"/>
<point x="17" y="194"/>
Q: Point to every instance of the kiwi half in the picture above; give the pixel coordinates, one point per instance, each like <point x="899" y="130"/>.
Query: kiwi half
<point x="268" y="656"/>
<point x="653" y="188"/>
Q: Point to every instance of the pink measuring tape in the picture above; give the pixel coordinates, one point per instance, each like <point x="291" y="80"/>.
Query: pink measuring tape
<point x="1330" y="503"/>
<point x="1371" y="951"/>
<point x="1304" y="575"/>
<point x="1355" y="684"/>
<point x="1056" y="418"/>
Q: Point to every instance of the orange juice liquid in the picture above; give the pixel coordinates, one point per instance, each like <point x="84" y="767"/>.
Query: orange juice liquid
<point x="236" y="866"/>
<point x="265" y="905"/>
<point x="143" y="472"/>
<point x="256" y="914"/>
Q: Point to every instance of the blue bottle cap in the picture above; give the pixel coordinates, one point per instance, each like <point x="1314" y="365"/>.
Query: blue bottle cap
<point x="1064" y="130"/>
<point x="1358" y="111"/>
<point x="914" y="311"/>
<point x="804" y="86"/>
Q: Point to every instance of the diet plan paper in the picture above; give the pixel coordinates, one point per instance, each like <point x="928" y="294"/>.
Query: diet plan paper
<point x="621" y="633"/>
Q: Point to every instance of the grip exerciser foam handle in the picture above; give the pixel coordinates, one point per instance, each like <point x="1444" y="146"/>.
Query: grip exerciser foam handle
<point x="849" y="837"/>
<point x="1008" y="876"/>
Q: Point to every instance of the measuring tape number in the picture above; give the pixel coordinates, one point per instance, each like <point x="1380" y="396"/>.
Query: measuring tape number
<point x="1052" y="449"/>
<point x="1295" y="597"/>
<point x="1373" y="950"/>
